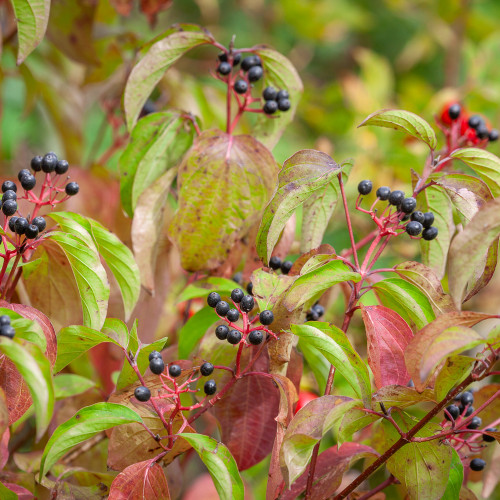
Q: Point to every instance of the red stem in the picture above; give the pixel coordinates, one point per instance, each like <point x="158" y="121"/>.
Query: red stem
<point x="348" y="219"/>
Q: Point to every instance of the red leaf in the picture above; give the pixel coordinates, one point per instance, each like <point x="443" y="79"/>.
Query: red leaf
<point x="388" y="335"/>
<point x="141" y="481"/>
<point x="4" y="448"/>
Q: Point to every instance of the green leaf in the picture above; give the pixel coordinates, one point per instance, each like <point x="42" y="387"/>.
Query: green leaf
<point x="269" y="288"/>
<point x="194" y="329"/>
<point x="203" y="287"/>
<point x="486" y="164"/>
<point x="279" y="73"/>
<point x="157" y="143"/>
<point x="399" y="119"/>
<point x="455" y="479"/>
<point x="32" y="19"/>
<point x="155" y="62"/>
<point x="224" y="183"/>
<point x="117" y="330"/>
<point x="69" y="384"/>
<point x="335" y="346"/>
<point x="406" y="299"/>
<point x="220" y="463"/>
<point x="90" y="277"/>
<point x="318" y="364"/>
<point x="26" y="329"/>
<point x="7" y="494"/>
<point x="454" y="371"/>
<point x="469" y="247"/>
<point x="34" y="367"/>
<point x="86" y="423"/>
<point x="312" y="283"/>
<point x="302" y="175"/>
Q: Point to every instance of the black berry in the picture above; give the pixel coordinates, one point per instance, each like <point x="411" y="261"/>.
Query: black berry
<point x="312" y="315"/>
<point x="236" y="59"/>
<point x="36" y="163"/>
<point x="236" y="295"/>
<point x="270" y="107"/>
<point x="454" y="111"/>
<point x="283" y="94"/>
<point x="475" y="121"/>
<point x="240" y="86"/>
<point x="453" y="411"/>
<point x="468" y="412"/>
<point x="286" y="265"/>
<point x="9" y="207"/>
<point x="250" y="288"/>
<point x="22" y="173"/>
<point x="21" y="225"/>
<point x="28" y="182"/>
<point x="365" y="187"/>
<point x="396" y="197"/>
<point x="408" y="205"/>
<point x="222" y="308"/>
<point x="12" y="223"/>
<point x="72" y="188"/>
<point x="31" y="232"/>
<point x="7" y="331"/>
<point x="234" y="337"/>
<point x="249" y="62"/>
<point x="49" y="163"/>
<point x="247" y="303"/>
<point x="221" y="332"/>
<point x="154" y="354"/>
<point x="255" y="73"/>
<point x="9" y="195"/>
<point x="428" y="219"/>
<point x="414" y="228"/>
<point x="237" y="277"/>
<point x="270" y="94"/>
<point x="62" y="165"/>
<point x="266" y="317"/>
<point x="256" y="337"/>
<point x="174" y="370"/>
<point x="284" y="104"/>
<point x="156" y="365"/>
<point x="489" y="439"/>
<point x="206" y="369"/>
<point x="475" y="423"/>
<point x="418" y="217"/>
<point x="142" y="393"/>
<point x="383" y="193"/>
<point x="39" y="222"/>
<point x="482" y="132"/>
<point x="9" y="186"/>
<point x="213" y="299"/>
<point x="477" y="464"/>
<point x="319" y="309"/>
<point x="466" y="398"/>
<point x="233" y="315"/>
<point x="4" y="320"/>
<point x="224" y="68"/>
<point x="493" y="135"/>
<point x="222" y="57"/>
<point x="430" y="233"/>
<point x="210" y="387"/>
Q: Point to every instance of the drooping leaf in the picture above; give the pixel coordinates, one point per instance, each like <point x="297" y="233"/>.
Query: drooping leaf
<point x="454" y="371"/>
<point x="302" y="175"/>
<point x="155" y="62"/>
<point x="32" y="18"/>
<point x="70" y="384"/>
<point x="83" y="425"/>
<point x="220" y="464"/>
<point x="279" y="73"/>
<point x="469" y="247"/>
<point x="141" y="481"/>
<point x="387" y="335"/>
<point x="399" y="119"/>
<point x="224" y="183"/>
<point x="455" y="479"/>
<point x="34" y="367"/>
<point x="335" y="346"/>
<point x="194" y="329"/>
<point x="157" y="143"/>
<point x="318" y="364"/>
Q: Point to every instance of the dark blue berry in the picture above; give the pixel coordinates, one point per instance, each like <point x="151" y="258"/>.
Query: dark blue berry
<point x="255" y="73"/>
<point x="234" y="337"/>
<point x="453" y="411"/>
<point x="240" y="86"/>
<point x="156" y="365"/>
<point x="365" y="187"/>
<point x="270" y="94"/>
<point x="247" y="303"/>
<point x="236" y="295"/>
<point x="396" y="197"/>
<point x="213" y="299"/>
<point x="283" y="94"/>
<point x="174" y="370"/>
<point x="408" y="205"/>
<point x="454" y="111"/>
<point x="9" y="207"/>
<point x="62" y="166"/>
<point x="418" y="217"/>
<point x="154" y="354"/>
<point x="284" y="104"/>
<point x="224" y="68"/>
<point x="233" y="315"/>
<point x="266" y="317"/>
<point x="221" y="332"/>
<point x="270" y="107"/>
<point x="9" y="195"/>
<point x="286" y="265"/>
<point x="430" y="233"/>
<point x="39" y="222"/>
<point x="206" y="369"/>
<point x="31" y="232"/>
<point x="142" y="393"/>
<point x="210" y="387"/>
<point x="477" y="464"/>
<point x="275" y="262"/>
<point x="428" y="219"/>
<point x="28" y="182"/>
<point x="72" y="188"/>
<point x="383" y="193"/>
<point x="222" y="308"/>
<point x="36" y="163"/>
<point x="49" y="163"/>
<point x="414" y="228"/>
<point x="256" y="337"/>
<point x="9" y="186"/>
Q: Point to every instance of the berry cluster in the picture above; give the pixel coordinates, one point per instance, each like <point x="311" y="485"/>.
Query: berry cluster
<point x="6" y="329"/>
<point x="469" y="130"/>
<point x="243" y="304"/>
<point x="316" y="311"/>
<point x="276" y="263"/>
<point x="419" y="222"/>
<point x="275" y="100"/>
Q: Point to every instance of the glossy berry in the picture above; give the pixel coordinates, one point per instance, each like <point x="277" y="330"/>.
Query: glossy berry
<point x="247" y="303"/>
<point x="365" y="187"/>
<point x="249" y="62"/>
<point x="240" y="86"/>
<point x="156" y="365"/>
<point x="233" y="315"/>
<point x="266" y="317"/>
<point x="475" y="423"/>
<point x="153" y="355"/>
<point x="236" y="295"/>
<point x="7" y="331"/>
<point x="206" y="369"/>
<point x="4" y="320"/>
<point x="256" y="337"/>
<point x="39" y="222"/>
<point x="482" y="132"/>
<point x="62" y="166"/>
<point x="9" y="195"/>
<point x="270" y="107"/>
<point x="489" y="439"/>
<point x="142" y="393"/>
<point x="270" y="94"/>
<point x="9" y="186"/>
<point x="174" y="370"/>
<point x="493" y="135"/>
<point x="49" y="163"/>
<point x="222" y="56"/>
<point x="312" y="315"/>
<point x="224" y="68"/>
<point x="28" y="182"/>
<point x="36" y="163"/>
<point x="413" y="228"/>
<point x="72" y="188"/>
<point x="477" y="464"/>
<point x="284" y="104"/>
<point x="418" y="217"/>
<point x="466" y="398"/>
<point x="221" y="332"/>
<point x="22" y="173"/>
<point x="9" y="207"/>
<point x="468" y="412"/>
<point x="454" y="111"/>
<point x="408" y="205"/>
<point x="283" y="94"/>
<point x="453" y="411"/>
<point x="474" y="121"/>
<point x="222" y="308"/>
<point x="234" y="337"/>
<point x="250" y="288"/>
<point x="383" y="193"/>
<point x="236" y="59"/>
<point x="318" y="309"/>
<point x="275" y="262"/>
<point x="255" y="73"/>
<point x="213" y="299"/>
<point x="430" y="233"/>
<point x="21" y="225"/>
<point x="428" y="219"/>
<point x="396" y="197"/>
<point x="12" y="223"/>
<point x="286" y="265"/>
<point x="31" y="232"/>
<point x="237" y="277"/>
<point x="210" y="387"/>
